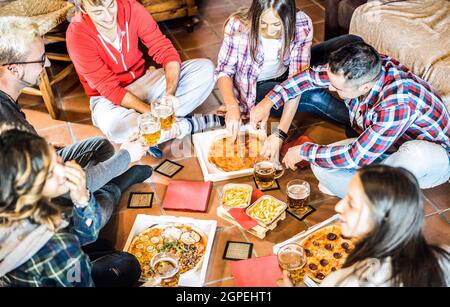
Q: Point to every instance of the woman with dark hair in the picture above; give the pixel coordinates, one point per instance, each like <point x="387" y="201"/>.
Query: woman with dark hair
<point x="41" y="238"/>
<point x="384" y="208"/>
<point x="263" y="46"/>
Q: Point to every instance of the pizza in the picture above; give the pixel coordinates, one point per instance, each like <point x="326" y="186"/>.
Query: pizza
<point x="326" y="250"/>
<point x="231" y="156"/>
<point x="185" y="241"/>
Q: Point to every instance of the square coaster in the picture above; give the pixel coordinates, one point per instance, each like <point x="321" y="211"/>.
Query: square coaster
<point x="168" y="168"/>
<point x="139" y="200"/>
<point x="302" y="216"/>
<point x="235" y="250"/>
<point x="275" y="186"/>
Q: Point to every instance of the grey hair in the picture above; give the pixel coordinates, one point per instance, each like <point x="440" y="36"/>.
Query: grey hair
<point x="16" y="36"/>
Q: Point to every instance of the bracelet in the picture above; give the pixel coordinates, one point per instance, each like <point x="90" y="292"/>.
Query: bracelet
<point x="280" y="134"/>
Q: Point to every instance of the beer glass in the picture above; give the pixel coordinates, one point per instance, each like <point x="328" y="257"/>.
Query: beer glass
<point x="163" y="109"/>
<point x="298" y="195"/>
<point x="150" y="128"/>
<point x="264" y="172"/>
<point x="292" y="258"/>
<point x="166" y="269"/>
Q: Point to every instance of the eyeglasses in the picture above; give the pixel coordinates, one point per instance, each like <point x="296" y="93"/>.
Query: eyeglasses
<point x="41" y="61"/>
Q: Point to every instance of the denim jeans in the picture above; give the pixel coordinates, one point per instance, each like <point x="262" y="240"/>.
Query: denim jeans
<point x="427" y="161"/>
<point x="195" y="84"/>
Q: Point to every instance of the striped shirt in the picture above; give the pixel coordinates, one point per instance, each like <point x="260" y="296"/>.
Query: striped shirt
<point x="400" y="107"/>
<point x="235" y="59"/>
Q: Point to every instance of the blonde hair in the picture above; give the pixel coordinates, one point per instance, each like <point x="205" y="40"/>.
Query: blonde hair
<point x="25" y="161"/>
<point x="16" y="37"/>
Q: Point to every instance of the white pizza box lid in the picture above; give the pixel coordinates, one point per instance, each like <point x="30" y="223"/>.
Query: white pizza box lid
<point x="302" y="235"/>
<point x="202" y="143"/>
<point x="191" y="278"/>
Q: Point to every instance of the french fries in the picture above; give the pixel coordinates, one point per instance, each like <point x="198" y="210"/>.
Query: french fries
<point x="266" y="210"/>
<point x="236" y="197"/>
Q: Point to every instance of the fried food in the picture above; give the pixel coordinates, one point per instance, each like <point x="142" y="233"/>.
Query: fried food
<point x="266" y="209"/>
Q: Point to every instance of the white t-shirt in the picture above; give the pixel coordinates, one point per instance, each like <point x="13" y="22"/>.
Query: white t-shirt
<point x="273" y="67"/>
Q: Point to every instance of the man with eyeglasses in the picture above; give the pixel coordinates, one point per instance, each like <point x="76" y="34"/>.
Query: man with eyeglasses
<point x="22" y="59"/>
<point x="400" y="119"/>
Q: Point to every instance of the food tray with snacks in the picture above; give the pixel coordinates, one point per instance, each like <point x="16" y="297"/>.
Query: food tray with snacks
<point x="190" y="239"/>
<point x="266" y="210"/>
<point x="236" y="195"/>
<point x="220" y="159"/>
<point x="325" y="248"/>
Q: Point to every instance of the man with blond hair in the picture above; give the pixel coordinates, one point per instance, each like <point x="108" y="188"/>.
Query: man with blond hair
<point x="22" y="59"/>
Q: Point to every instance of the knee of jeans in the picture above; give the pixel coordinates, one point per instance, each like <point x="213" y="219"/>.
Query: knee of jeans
<point x="106" y="148"/>
<point x="315" y="97"/>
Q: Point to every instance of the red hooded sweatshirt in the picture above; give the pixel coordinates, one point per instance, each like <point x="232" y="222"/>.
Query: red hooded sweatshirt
<point x="105" y="71"/>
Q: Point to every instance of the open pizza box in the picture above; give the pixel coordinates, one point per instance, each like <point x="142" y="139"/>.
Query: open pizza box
<point x="202" y="143"/>
<point x="190" y="278"/>
<point x="302" y="235"/>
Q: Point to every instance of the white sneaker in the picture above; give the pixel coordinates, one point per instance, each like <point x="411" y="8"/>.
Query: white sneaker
<point x="325" y="190"/>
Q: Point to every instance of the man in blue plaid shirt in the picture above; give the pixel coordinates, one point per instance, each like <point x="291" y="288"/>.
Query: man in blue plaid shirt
<point x="400" y="119"/>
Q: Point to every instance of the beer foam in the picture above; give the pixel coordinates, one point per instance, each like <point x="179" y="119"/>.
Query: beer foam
<point x="298" y="191"/>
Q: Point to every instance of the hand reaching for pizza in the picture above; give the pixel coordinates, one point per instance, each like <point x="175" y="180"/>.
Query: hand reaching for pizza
<point x="292" y="157"/>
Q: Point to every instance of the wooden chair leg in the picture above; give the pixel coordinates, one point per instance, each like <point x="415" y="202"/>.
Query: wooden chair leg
<point x="48" y="96"/>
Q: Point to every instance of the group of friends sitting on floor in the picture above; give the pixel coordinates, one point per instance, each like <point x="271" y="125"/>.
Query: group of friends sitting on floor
<point x="55" y="199"/>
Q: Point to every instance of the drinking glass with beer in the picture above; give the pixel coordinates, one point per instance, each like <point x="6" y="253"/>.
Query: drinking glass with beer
<point x="150" y="128"/>
<point x="264" y="172"/>
<point x="292" y="258"/>
<point x="166" y="269"/>
<point x="163" y="109"/>
<point x="298" y="195"/>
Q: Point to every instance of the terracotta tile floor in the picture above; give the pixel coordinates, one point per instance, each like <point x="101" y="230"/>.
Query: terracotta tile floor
<point x="205" y="41"/>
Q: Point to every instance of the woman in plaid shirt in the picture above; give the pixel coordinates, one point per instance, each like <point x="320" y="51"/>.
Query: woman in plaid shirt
<point x="40" y="239"/>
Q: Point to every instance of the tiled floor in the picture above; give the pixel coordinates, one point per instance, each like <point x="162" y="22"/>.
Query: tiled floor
<point x="205" y="41"/>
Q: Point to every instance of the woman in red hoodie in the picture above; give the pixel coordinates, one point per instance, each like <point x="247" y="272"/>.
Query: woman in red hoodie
<point x="102" y="41"/>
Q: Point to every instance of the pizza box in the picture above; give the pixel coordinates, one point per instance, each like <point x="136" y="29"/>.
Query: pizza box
<point x="301" y="236"/>
<point x="202" y="143"/>
<point x="191" y="278"/>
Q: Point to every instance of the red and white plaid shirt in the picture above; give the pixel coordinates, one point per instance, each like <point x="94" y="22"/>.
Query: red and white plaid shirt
<point x="400" y="107"/>
<point x="235" y="60"/>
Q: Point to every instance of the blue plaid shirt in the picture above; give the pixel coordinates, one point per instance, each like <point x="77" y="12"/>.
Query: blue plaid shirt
<point x="61" y="262"/>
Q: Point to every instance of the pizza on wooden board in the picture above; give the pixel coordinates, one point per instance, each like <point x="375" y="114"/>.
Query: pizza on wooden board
<point x="231" y="156"/>
<point x="326" y="250"/>
<point x="185" y="241"/>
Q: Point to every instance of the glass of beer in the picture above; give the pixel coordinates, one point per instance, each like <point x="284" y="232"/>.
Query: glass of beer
<point x="264" y="172"/>
<point x="298" y="195"/>
<point x="292" y="258"/>
<point x="150" y="128"/>
<point x="166" y="269"/>
<point x="163" y="109"/>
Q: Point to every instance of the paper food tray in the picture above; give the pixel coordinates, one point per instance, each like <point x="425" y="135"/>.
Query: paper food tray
<point x="202" y="143"/>
<point x="302" y="235"/>
<point x="190" y="278"/>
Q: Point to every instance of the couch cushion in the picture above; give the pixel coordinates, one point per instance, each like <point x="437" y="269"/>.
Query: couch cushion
<point x="417" y="33"/>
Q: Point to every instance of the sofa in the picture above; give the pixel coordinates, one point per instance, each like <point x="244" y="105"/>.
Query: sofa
<point x="415" y="32"/>
<point x="338" y="14"/>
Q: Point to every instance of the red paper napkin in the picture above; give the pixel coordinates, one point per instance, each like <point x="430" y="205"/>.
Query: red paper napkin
<point x="187" y="195"/>
<point x="256" y="272"/>
<point x="256" y="195"/>
<point x="298" y="141"/>
<point x="242" y="218"/>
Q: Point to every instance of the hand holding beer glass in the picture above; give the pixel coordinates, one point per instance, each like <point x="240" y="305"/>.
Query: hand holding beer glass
<point x="163" y="109"/>
<point x="149" y="128"/>
<point x="298" y="195"/>
<point x="166" y="269"/>
<point x="292" y="258"/>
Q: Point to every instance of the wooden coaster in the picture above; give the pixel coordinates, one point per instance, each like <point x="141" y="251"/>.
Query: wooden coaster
<point x="235" y="250"/>
<point x="274" y="186"/>
<point x="139" y="200"/>
<point x="301" y="216"/>
<point x="168" y="168"/>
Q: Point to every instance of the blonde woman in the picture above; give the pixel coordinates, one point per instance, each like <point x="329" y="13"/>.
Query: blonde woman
<point x="40" y="239"/>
